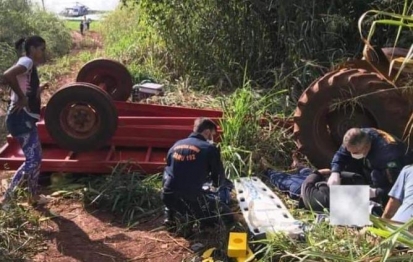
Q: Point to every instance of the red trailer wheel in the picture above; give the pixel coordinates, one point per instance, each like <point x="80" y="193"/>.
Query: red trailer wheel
<point x="81" y="117"/>
<point x="110" y="75"/>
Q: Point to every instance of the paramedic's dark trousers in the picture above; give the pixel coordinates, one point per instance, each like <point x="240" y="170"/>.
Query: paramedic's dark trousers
<point x="203" y="207"/>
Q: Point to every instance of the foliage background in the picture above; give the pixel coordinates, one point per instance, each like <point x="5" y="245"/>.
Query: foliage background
<point x="18" y="18"/>
<point x="215" y="42"/>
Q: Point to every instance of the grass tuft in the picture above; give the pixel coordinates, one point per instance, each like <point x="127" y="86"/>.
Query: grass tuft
<point x="20" y="233"/>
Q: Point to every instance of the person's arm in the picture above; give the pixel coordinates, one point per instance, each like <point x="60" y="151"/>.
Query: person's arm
<point x="390" y="173"/>
<point x="315" y="177"/>
<point x="391" y="208"/>
<point x="324" y="172"/>
<point x="340" y="159"/>
<point x="169" y="155"/>
<point x="217" y="168"/>
<point x="381" y="185"/>
<point x="314" y="197"/>
<point x="396" y="196"/>
<point x="10" y="77"/>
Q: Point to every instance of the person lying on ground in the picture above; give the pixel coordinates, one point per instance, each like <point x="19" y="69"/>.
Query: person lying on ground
<point x="308" y="186"/>
<point x="190" y="162"/>
<point x="382" y="154"/>
<point x="20" y="120"/>
<point x="399" y="208"/>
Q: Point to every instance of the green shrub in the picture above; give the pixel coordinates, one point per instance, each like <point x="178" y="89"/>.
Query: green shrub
<point x="130" y="38"/>
<point x="213" y="41"/>
<point x="20" y="234"/>
<point x="128" y="194"/>
<point x="19" y="19"/>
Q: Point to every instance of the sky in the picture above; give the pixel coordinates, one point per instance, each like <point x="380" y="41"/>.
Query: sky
<point x="58" y="5"/>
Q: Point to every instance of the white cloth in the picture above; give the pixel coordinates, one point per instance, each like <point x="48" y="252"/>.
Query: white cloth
<point x="24" y="82"/>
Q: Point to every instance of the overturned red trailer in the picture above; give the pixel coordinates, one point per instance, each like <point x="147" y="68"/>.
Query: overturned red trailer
<point x="89" y="127"/>
<point x="141" y="141"/>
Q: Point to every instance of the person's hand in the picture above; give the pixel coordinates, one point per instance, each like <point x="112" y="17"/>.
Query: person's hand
<point x="334" y="179"/>
<point x="20" y="104"/>
<point x="213" y="189"/>
<point x="373" y="192"/>
<point x="42" y="87"/>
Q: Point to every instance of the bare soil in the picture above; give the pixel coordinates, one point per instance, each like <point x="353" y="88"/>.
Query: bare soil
<point x="75" y="234"/>
<point x="92" y="42"/>
<point x="79" y="235"/>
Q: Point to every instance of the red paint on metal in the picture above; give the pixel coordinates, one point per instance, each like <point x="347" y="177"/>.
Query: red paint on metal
<point x="131" y="109"/>
<point x="144" y="135"/>
<point x="95" y="162"/>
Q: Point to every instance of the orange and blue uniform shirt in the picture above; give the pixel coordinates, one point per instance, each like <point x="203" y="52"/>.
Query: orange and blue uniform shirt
<point x="189" y="165"/>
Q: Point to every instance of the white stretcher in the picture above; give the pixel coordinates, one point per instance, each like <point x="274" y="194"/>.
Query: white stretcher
<point x="263" y="210"/>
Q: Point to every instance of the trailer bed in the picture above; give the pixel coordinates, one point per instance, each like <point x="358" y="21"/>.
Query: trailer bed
<point x="143" y="137"/>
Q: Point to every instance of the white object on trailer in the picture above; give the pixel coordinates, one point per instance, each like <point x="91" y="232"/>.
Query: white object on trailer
<point x="263" y="210"/>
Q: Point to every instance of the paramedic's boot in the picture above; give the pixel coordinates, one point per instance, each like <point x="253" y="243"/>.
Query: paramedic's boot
<point x="169" y="220"/>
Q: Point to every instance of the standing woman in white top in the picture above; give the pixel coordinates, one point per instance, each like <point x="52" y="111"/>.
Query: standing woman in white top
<point x="20" y="121"/>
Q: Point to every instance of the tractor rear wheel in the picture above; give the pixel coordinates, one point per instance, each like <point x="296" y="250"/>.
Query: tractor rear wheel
<point x="81" y="117"/>
<point x="341" y="100"/>
<point x="110" y="75"/>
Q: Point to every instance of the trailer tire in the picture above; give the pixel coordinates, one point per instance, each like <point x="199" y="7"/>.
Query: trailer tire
<point x="81" y="117"/>
<point x="110" y="75"/>
<point x="319" y="126"/>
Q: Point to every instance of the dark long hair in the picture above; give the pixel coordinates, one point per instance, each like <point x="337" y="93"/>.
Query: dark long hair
<point x="34" y="41"/>
<point x="26" y="43"/>
<point x="33" y="100"/>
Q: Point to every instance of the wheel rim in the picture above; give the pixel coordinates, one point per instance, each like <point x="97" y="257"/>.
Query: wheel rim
<point x="342" y="119"/>
<point x="106" y="83"/>
<point x="79" y="120"/>
<point x="109" y="75"/>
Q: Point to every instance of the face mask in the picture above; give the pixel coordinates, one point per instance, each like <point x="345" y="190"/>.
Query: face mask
<point x="211" y="139"/>
<point x="357" y="156"/>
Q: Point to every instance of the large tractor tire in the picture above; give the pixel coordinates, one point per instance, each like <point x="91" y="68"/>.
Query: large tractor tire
<point x="341" y="100"/>
<point x="81" y="117"/>
<point x="110" y="75"/>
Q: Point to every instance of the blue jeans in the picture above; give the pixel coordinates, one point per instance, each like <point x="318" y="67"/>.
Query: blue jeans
<point x="19" y="123"/>
<point x="289" y="183"/>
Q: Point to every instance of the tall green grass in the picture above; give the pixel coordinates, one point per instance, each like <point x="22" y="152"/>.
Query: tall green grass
<point x="338" y="244"/>
<point x="213" y="42"/>
<point x="129" y="195"/>
<point x="130" y="37"/>
<point x="244" y="139"/>
<point x="20" y="233"/>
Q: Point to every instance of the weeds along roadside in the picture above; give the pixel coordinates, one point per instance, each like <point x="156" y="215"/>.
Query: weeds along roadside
<point x="20" y="233"/>
<point x="145" y="53"/>
<point x="130" y="195"/>
<point x="27" y="21"/>
<point x="20" y="227"/>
